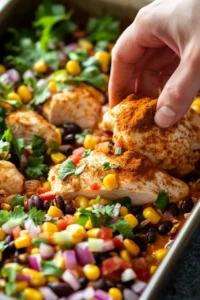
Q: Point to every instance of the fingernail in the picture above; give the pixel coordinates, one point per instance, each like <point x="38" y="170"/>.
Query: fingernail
<point x="165" y="117"/>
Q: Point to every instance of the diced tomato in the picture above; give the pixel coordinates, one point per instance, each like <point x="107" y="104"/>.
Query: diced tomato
<point x="79" y="151"/>
<point x="141" y="268"/>
<point x="16" y="232"/>
<point x="75" y="158"/>
<point x="48" y="196"/>
<point x="118" y="243"/>
<point x="42" y="190"/>
<point x="94" y="187"/>
<point x="103" y="147"/>
<point x="61" y="224"/>
<point x="70" y="219"/>
<point x="105" y="233"/>
<point x="113" y="264"/>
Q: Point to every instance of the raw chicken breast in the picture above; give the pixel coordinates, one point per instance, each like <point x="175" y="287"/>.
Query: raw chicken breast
<point x="174" y="148"/>
<point x="81" y="105"/>
<point x="11" y="180"/>
<point x="136" y="175"/>
<point x="25" y="124"/>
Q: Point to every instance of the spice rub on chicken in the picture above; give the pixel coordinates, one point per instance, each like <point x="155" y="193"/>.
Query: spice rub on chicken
<point x="25" y="124"/>
<point x="174" y="148"/>
<point x="11" y="180"/>
<point x="116" y="176"/>
<point x="80" y="105"/>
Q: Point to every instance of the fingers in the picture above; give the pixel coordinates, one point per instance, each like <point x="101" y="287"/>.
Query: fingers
<point x="178" y="93"/>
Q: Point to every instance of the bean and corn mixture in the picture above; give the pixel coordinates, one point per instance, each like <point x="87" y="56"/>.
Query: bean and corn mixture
<point x="88" y="248"/>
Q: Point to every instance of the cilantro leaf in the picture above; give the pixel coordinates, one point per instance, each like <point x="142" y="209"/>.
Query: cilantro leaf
<point x="66" y="168"/>
<point x="87" y="153"/>
<point x="51" y="59"/>
<point x="59" y="76"/>
<point x="41" y="95"/>
<point x="118" y="151"/>
<point x="123" y="227"/>
<point x="63" y="86"/>
<point x="98" y="198"/>
<point x="90" y="215"/>
<point x="37" y="216"/>
<point x="4" y="216"/>
<point x="37" y="241"/>
<point x="80" y="170"/>
<point x="54" y="147"/>
<point x="107" y="166"/>
<point x="38" y="145"/>
<point x="17" y="200"/>
<point x="125" y="201"/>
<point x="10" y="274"/>
<point x="162" y="200"/>
<point x="82" y="220"/>
<point x="79" y="55"/>
<point x="83" y="134"/>
<point x="19" y="146"/>
<point x="50" y="268"/>
<point x="18" y="213"/>
<point x="3" y="246"/>
<point x="35" y="167"/>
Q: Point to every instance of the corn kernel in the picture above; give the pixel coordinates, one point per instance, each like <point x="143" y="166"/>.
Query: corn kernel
<point x="89" y="208"/>
<point x="90" y="141"/>
<point x="40" y="66"/>
<point x="123" y="211"/>
<point x="151" y="215"/>
<point x="104" y="201"/>
<point x="55" y="212"/>
<point x="20" y="286"/>
<point x="92" y="272"/>
<point x="34" y="251"/>
<point x="37" y="279"/>
<point x="160" y="254"/>
<point x="59" y="261"/>
<point x="81" y="201"/>
<point x="59" y="136"/>
<point x="196" y="105"/>
<point x="24" y="93"/>
<point x="131" y="247"/>
<point x="58" y="157"/>
<point x="30" y="294"/>
<point x="93" y="233"/>
<point x="13" y="96"/>
<point x="77" y="214"/>
<point x="23" y="241"/>
<point x="132" y="221"/>
<point x="91" y="202"/>
<point x="77" y="231"/>
<point x="88" y="225"/>
<point x="110" y="182"/>
<point x="153" y="269"/>
<point x="52" y="278"/>
<point x="6" y="206"/>
<point x="52" y="86"/>
<point x="24" y="232"/>
<point x="115" y="293"/>
<point x="2" y="234"/>
<point x="84" y="44"/>
<point x="2" y="69"/>
<point x="103" y="58"/>
<point x="73" y="67"/>
<point x="49" y="227"/>
<point x="125" y="255"/>
<point x="47" y="184"/>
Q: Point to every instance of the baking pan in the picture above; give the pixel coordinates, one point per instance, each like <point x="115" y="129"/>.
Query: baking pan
<point x="128" y="8"/>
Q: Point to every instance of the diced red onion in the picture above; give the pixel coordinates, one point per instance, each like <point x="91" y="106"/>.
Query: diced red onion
<point x="138" y="287"/>
<point x="119" y="237"/>
<point x="41" y="83"/>
<point x="128" y="275"/>
<point x="9" y="225"/>
<point x="101" y="295"/>
<point x="144" y="223"/>
<point x="48" y="218"/>
<point x="27" y="153"/>
<point x="169" y="244"/>
<point x="33" y="230"/>
<point x="46" y="251"/>
<point x="71" y="279"/>
<point x="70" y="258"/>
<point x="86" y="294"/>
<point x="71" y="47"/>
<point x="84" y="256"/>
<point x="130" y="295"/>
<point x="107" y="246"/>
<point x="96" y="206"/>
<point x="13" y="75"/>
<point x="23" y="277"/>
<point x="28" y="74"/>
<point x="167" y="214"/>
<point x="48" y="293"/>
<point x="89" y="293"/>
<point x="34" y="261"/>
<point x="116" y="209"/>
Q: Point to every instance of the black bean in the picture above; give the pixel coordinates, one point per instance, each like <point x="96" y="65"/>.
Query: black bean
<point x="187" y="205"/>
<point x="136" y="210"/>
<point x="8" y="239"/>
<point x="140" y="217"/>
<point x="35" y="201"/>
<point x="120" y="286"/>
<point x="47" y="204"/>
<point x="60" y="202"/>
<point x="99" y="284"/>
<point x="69" y="209"/>
<point x="153" y="228"/>
<point x="151" y="237"/>
<point x="83" y="282"/>
<point x="68" y="139"/>
<point x="101" y="257"/>
<point x="61" y="289"/>
<point x="173" y="208"/>
<point x="71" y="128"/>
<point x="140" y="242"/>
<point x="164" y="227"/>
<point x="11" y="247"/>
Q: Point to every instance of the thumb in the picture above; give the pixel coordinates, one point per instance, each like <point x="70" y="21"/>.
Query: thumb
<point x="178" y="93"/>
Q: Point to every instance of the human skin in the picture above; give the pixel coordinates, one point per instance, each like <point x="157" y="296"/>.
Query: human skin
<point x="163" y="40"/>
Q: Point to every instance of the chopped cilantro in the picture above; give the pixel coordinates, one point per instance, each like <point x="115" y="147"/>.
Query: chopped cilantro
<point x="3" y="246"/>
<point x="80" y="170"/>
<point x="38" y="145"/>
<point x="63" y="86"/>
<point x="41" y="95"/>
<point x="123" y="227"/>
<point x="54" y="147"/>
<point x="19" y="146"/>
<point x="18" y="213"/>
<point x="82" y="134"/>
<point x="38" y="216"/>
<point x="68" y="167"/>
<point x="50" y="268"/>
<point x="10" y="274"/>
<point x="162" y="201"/>
<point x="96" y="169"/>
<point x="37" y="241"/>
<point x="125" y="201"/>
<point x="118" y="151"/>
<point x="90" y="215"/>
<point x="4" y="216"/>
<point x="98" y="198"/>
<point x="36" y="167"/>
<point x="87" y="153"/>
<point x="107" y="166"/>
<point x="17" y="200"/>
<point x="102" y="177"/>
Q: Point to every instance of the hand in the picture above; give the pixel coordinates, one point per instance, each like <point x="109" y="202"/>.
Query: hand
<point x="160" y="48"/>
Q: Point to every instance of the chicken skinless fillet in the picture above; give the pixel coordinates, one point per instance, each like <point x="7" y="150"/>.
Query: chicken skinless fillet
<point x="80" y="105"/>
<point x="137" y="177"/>
<point x="11" y="180"/>
<point x="25" y="124"/>
<point x="174" y="148"/>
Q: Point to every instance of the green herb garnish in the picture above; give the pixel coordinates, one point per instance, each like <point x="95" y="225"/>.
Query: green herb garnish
<point x="17" y="200"/>
<point x="162" y="201"/>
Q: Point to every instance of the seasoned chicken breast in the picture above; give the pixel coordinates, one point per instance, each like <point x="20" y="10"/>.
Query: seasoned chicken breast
<point x="80" y="105"/>
<point x="11" y="180"/>
<point x="26" y="124"/>
<point x="174" y="148"/>
<point x="137" y="177"/>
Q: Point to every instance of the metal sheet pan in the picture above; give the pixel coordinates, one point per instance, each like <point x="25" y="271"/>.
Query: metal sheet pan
<point x="7" y="8"/>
